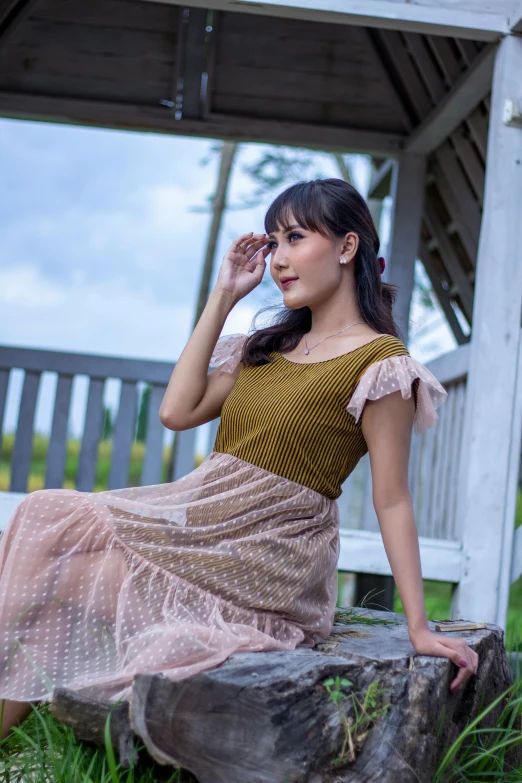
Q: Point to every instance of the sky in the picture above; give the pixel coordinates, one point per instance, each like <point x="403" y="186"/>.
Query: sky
<point x="102" y="245"/>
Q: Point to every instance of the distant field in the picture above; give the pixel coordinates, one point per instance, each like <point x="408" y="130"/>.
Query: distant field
<point x="40" y="446"/>
<point x="437" y="594"/>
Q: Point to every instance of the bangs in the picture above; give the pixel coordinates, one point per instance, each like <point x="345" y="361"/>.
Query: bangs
<point x="303" y="203"/>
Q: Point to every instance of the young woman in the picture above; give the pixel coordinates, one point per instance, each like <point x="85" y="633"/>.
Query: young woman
<point x="240" y="554"/>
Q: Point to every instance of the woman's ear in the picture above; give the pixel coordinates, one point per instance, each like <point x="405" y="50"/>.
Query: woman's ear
<point x="350" y="245"/>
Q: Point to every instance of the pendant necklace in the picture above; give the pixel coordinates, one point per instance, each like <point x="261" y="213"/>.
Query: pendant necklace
<point x="307" y="350"/>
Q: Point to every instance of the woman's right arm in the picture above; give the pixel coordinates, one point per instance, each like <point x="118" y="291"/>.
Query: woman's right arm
<point x="195" y="396"/>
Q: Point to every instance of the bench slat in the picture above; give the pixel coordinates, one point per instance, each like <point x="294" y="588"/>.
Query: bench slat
<point x="4" y="382"/>
<point x="151" y="473"/>
<point x="56" y="455"/>
<point x="91" y="436"/>
<point x="123" y="436"/>
<point x="23" y="446"/>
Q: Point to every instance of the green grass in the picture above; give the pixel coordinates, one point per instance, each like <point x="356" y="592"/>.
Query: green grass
<point x="42" y="750"/>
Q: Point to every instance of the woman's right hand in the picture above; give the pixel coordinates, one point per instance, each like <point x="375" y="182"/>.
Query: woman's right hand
<point x="240" y="271"/>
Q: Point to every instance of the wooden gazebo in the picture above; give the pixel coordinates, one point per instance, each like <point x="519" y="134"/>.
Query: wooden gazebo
<point x="432" y="90"/>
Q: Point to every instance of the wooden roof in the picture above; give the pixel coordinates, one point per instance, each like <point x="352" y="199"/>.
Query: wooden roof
<point x="253" y="76"/>
<point x="164" y="67"/>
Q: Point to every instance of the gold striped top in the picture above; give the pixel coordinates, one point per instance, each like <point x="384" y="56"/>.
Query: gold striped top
<point x="291" y="418"/>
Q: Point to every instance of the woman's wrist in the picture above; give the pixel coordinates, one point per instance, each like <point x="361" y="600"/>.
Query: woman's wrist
<point x="414" y="629"/>
<point x="224" y="299"/>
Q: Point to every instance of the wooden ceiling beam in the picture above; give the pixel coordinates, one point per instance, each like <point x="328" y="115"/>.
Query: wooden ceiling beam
<point x="12" y="12"/>
<point x="469" y="89"/>
<point x="160" y="119"/>
<point x="442" y="295"/>
<point x="450" y="258"/>
<point x="516" y="20"/>
<point x="474" y="20"/>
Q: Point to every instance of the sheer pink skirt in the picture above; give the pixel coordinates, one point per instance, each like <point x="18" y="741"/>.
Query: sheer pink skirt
<point x="171" y="578"/>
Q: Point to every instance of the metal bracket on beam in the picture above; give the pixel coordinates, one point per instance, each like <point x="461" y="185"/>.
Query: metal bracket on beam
<point x="512" y="113"/>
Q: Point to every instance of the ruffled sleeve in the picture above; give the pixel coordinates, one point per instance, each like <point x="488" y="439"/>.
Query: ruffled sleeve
<point x="227" y="353"/>
<point x="398" y="373"/>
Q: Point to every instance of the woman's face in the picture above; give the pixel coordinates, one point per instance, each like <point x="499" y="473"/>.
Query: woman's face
<point x="310" y="263"/>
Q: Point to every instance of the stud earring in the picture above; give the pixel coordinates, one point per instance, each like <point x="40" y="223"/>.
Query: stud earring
<point x="342" y="260"/>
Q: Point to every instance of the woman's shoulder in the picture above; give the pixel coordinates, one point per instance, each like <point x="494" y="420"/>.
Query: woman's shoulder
<point x="387" y="345"/>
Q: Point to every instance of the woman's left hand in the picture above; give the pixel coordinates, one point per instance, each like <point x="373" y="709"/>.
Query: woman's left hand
<point x="427" y="642"/>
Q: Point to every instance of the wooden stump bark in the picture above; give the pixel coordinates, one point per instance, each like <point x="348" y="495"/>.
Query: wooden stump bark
<point x="280" y="717"/>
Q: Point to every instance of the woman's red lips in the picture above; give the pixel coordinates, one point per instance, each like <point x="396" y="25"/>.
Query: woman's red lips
<point x="287" y="280"/>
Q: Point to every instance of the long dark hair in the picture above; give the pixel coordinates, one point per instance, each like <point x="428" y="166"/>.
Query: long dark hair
<point x="331" y="207"/>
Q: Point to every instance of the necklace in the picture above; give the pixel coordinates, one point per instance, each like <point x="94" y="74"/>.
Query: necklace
<point x="307" y="350"/>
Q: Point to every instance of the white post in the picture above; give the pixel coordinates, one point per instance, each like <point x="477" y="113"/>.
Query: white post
<point x="408" y="182"/>
<point x="407" y="190"/>
<point x="492" y="428"/>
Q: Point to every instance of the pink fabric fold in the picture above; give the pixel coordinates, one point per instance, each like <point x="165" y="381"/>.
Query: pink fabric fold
<point x="227" y="353"/>
<point x="398" y="373"/>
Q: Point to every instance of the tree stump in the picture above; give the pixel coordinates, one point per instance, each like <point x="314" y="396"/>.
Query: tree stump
<point x="281" y="717"/>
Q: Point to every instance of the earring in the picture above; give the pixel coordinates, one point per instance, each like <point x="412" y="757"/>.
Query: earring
<point x="342" y="260"/>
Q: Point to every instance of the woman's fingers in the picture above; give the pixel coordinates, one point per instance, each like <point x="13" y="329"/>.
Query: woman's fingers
<point x="254" y="248"/>
<point x="462" y="656"/>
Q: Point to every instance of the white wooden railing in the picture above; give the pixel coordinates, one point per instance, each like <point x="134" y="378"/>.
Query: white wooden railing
<point x="433" y="472"/>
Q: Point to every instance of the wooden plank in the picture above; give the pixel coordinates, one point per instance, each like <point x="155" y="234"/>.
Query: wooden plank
<point x="362" y="551"/>
<point x="442" y="295"/>
<point x="245" y="108"/>
<point x="23" y="445"/>
<point x="467" y="91"/>
<point x="4" y="384"/>
<point x="405" y="73"/>
<point x="212" y="433"/>
<point x="425" y="481"/>
<point x="469" y="213"/>
<point x="109" y="114"/>
<point x="123" y="438"/>
<point x="478" y="124"/>
<point x="57" y="452"/>
<point x="451" y="366"/>
<point x="12" y="14"/>
<point x="444" y="51"/>
<point x="451" y="260"/>
<point x="471" y="163"/>
<point x="92" y="433"/>
<point x="413" y="468"/>
<point x="408" y="196"/>
<point x="448" y="471"/>
<point x="516" y="564"/>
<point x="44" y="38"/>
<point x="384" y="14"/>
<point x="464" y="216"/>
<point x="436" y="521"/>
<point x="153" y="462"/>
<point x="486" y="489"/>
<point x="184" y="455"/>
<point x="468" y="50"/>
<point x="115" y="14"/>
<point x="194" y="63"/>
<point x="68" y="363"/>
<point x="453" y="531"/>
<point x="423" y="58"/>
<point x="267" y="81"/>
<point x="372" y="44"/>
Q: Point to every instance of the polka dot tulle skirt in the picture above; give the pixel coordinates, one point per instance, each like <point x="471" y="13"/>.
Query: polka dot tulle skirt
<point x="96" y="587"/>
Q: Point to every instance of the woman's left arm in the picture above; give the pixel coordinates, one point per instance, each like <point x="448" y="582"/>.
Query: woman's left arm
<point x="387" y="426"/>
